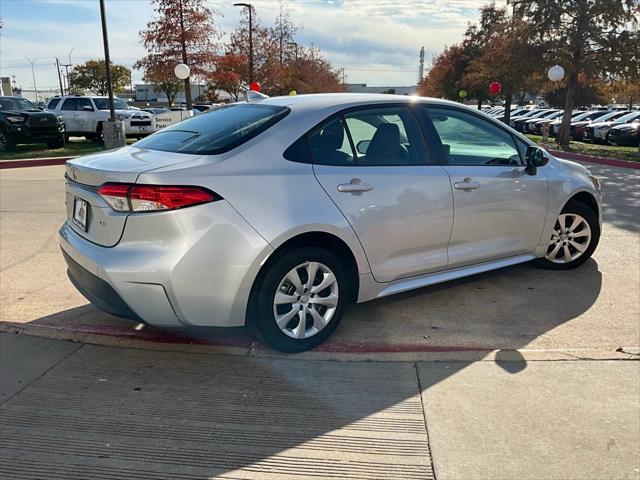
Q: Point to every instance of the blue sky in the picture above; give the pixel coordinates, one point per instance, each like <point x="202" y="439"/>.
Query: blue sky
<point x="375" y="41"/>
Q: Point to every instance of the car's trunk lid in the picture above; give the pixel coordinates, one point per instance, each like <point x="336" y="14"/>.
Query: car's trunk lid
<point x="104" y="226"/>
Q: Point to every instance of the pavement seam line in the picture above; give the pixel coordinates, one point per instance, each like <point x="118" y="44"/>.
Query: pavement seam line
<point x="43" y="373"/>
<point x="424" y="417"/>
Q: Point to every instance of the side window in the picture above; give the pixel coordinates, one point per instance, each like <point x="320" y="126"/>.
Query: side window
<point x="70" y="104"/>
<point x="385" y="136"/>
<point x="53" y="103"/>
<point x="84" y="102"/>
<point x="470" y="140"/>
<point x="330" y="145"/>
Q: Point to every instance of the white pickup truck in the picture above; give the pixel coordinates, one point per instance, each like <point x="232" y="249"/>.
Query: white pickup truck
<point x="84" y="116"/>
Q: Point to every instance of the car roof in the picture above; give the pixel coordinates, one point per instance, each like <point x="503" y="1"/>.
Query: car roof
<point x="323" y="100"/>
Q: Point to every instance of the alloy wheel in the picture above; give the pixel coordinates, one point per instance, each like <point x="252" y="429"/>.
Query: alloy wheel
<point x="570" y="238"/>
<point x="305" y="300"/>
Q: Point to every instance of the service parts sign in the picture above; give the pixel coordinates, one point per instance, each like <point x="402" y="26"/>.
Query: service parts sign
<point x="169" y="118"/>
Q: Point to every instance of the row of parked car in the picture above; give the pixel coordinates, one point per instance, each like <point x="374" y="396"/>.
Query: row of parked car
<point x="616" y="127"/>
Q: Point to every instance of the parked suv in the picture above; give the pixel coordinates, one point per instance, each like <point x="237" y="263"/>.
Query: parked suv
<point x="22" y="122"/>
<point x="84" y="116"/>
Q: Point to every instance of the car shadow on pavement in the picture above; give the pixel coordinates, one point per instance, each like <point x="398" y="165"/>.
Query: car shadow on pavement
<point x="161" y="414"/>
<point x="620" y="196"/>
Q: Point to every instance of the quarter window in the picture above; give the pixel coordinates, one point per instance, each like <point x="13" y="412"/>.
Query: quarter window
<point x="53" y="103"/>
<point x="469" y="140"/>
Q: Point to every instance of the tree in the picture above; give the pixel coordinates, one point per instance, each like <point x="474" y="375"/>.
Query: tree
<point x="590" y="37"/>
<point x="161" y="75"/>
<point x="445" y="76"/>
<point x="92" y="75"/>
<point x="183" y="31"/>
<point x="310" y="73"/>
<point x="229" y="72"/>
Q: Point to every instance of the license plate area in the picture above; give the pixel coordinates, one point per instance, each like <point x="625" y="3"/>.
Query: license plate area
<point x="80" y="213"/>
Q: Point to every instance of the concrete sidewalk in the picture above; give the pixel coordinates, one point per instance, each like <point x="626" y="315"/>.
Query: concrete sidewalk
<point x="72" y="411"/>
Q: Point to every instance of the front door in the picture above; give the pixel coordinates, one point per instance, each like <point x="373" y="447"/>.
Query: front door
<point x="372" y="163"/>
<point x="499" y="209"/>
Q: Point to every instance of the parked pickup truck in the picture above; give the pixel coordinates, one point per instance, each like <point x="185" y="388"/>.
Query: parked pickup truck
<point x="22" y="122"/>
<point x="84" y="116"/>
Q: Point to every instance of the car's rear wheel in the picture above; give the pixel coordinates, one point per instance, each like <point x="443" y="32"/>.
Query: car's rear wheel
<point x="574" y="238"/>
<point x="298" y="299"/>
<point x="7" y="144"/>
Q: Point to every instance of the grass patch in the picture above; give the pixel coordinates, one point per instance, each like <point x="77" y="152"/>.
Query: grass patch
<point x="71" y="149"/>
<point x="606" y="151"/>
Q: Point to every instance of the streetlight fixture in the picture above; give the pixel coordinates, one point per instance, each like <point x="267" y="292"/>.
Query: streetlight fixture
<point x="250" y="8"/>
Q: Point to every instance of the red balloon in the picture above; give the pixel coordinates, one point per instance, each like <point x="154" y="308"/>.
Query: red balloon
<point x="495" y="87"/>
<point x="255" y="86"/>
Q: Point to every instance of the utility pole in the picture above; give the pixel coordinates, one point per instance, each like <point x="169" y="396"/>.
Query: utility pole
<point x="68" y="82"/>
<point x="59" y="77"/>
<point x="421" y="71"/>
<point x="33" y="74"/>
<point x="342" y="77"/>
<point x="107" y="61"/>
<point x="250" y="8"/>
<point x="187" y="83"/>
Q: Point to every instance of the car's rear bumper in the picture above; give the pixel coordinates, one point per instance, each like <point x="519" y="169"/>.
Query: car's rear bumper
<point x="97" y="291"/>
<point x="189" y="267"/>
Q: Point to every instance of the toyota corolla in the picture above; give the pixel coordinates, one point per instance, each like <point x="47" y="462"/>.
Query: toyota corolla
<point x="276" y="214"/>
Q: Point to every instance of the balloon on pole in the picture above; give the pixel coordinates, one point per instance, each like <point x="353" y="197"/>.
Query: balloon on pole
<point x="182" y="71"/>
<point x="255" y="86"/>
<point x="495" y="88"/>
<point x="293" y="93"/>
<point x="556" y="73"/>
<point x="462" y="93"/>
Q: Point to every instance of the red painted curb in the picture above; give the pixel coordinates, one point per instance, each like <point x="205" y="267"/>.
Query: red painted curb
<point x="184" y="337"/>
<point x="33" y="162"/>
<point x="611" y="162"/>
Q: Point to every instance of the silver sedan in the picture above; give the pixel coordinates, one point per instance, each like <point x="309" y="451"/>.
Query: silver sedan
<point x="277" y="213"/>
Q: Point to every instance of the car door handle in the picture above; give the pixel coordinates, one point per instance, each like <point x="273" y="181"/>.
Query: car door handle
<point x="356" y="186"/>
<point x="466" y="184"/>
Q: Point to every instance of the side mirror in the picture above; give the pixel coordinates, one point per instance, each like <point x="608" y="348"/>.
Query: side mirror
<point x="87" y="108"/>
<point x="362" y="146"/>
<point x="535" y="158"/>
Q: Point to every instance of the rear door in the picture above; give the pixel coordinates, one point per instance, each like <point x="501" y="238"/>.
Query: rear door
<point x="372" y="163"/>
<point x="499" y="209"/>
<point x="85" y="118"/>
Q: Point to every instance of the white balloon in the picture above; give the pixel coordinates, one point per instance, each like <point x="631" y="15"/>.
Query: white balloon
<point x="182" y="71"/>
<point x="556" y="73"/>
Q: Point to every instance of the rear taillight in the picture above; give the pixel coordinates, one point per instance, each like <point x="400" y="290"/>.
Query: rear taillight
<point x="126" y="197"/>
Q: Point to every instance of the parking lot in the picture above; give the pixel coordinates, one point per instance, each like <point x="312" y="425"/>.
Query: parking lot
<point x="489" y="404"/>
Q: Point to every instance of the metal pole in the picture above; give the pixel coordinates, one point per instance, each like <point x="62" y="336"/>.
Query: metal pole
<point x="187" y="83"/>
<point x="107" y="61"/>
<point x="250" y="45"/>
<point x="33" y="74"/>
<point x="59" y="77"/>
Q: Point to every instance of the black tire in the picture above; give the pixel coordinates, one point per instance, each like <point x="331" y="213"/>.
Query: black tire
<point x="58" y="143"/>
<point x="574" y="207"/>
<point x="7" y="144"/>
<point x="260" y="313"/>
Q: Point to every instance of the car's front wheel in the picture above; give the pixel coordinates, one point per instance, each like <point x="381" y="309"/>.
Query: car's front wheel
<point x="574" y="238"/>
<point x="298" y="299"/>
<point x="58" y="143"/>
<point x="7" y="144"/>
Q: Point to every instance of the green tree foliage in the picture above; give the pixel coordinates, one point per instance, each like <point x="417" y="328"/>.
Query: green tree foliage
<point x="92" y="75"/>
<point x="594" y="38"/>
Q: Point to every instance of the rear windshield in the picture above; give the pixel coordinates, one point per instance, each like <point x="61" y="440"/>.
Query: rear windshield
<point x="217" y="131"/>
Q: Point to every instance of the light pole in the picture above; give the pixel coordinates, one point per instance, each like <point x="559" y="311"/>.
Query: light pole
<point x="295" y="46"/>
<point x="33" y="74"/>
<point x="250" y="8"/>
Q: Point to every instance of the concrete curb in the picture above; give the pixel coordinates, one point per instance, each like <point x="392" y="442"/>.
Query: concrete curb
<point x="34" y="162"/>
<point x="611" y="162"/>
<point x="331" y="351"/>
